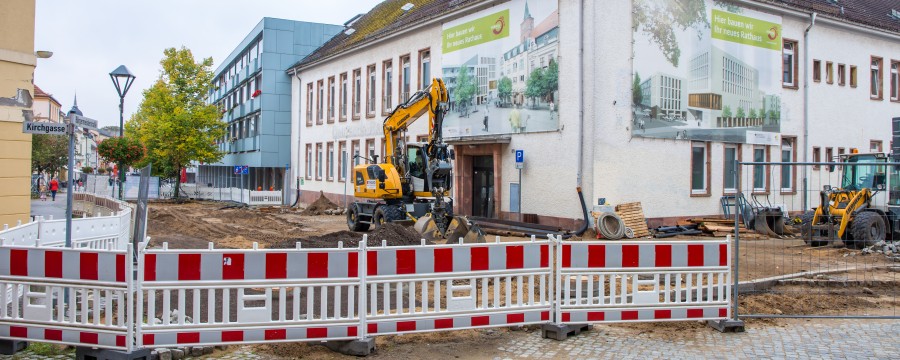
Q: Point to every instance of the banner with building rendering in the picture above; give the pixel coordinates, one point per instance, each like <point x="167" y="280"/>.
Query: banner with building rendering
<point x="500" y="66"/>
<point x="706" y="70"/>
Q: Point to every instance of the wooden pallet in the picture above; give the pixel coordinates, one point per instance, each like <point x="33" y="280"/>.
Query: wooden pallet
<point x="633" y="216"/>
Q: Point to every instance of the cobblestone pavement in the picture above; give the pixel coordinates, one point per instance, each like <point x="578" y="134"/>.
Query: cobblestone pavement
<point x="817" y="339"/>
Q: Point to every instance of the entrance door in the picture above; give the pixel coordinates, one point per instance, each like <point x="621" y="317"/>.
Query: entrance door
<point x="483" y="186"/>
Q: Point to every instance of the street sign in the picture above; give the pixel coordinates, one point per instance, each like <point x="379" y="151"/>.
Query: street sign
<point x="237" y="169"/>
<point x="31" y="127"/>
<point x="520" y="159"/>
<point x="241" y="170"/>
<point x="86" y="123"/>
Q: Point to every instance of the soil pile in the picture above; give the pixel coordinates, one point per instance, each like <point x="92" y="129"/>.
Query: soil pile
<point x="319" y="206"/>
<point x="193" y="225"/>
<point x="395" y="234"/>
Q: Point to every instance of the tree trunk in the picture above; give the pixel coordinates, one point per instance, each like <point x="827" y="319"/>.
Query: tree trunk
<point x="177" y="181"/>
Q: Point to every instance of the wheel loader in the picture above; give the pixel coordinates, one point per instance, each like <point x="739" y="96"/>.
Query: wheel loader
<point x="862" y="211"/>
<point x="413" y="182"/>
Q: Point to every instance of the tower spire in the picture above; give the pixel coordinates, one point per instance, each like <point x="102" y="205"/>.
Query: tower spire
<point x="75" y="108"/>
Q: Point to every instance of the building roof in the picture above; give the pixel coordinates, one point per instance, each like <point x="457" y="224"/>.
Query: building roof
<point x="38" y="92"/>
<point x="387" y="18"/>
<point x="549" y="23"/>
<point x="874" y="13"/>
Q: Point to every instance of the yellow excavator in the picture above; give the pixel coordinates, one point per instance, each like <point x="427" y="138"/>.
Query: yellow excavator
<point x="413" y="182"/>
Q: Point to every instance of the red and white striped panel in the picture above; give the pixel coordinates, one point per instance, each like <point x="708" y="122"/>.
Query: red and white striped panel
<point x="441" y="259"/>
<point x="714" y="312"/>
<point x="345" y="331"/>
<point x="65" y="335"/>
<point x="169" y="266"/>
<point x="630" y="255"/>
<point x="438" y="323"/>
<point x="36" y="264"/>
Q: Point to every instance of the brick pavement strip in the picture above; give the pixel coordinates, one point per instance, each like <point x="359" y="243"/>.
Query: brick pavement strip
<point x="816" y="339"/>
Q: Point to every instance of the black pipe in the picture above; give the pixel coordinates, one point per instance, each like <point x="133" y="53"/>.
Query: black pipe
<point x="297" y="199"/>
<point x="584" y="226"/>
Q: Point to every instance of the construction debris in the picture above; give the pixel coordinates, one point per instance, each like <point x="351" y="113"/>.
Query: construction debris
<point x="632" y="215"/>
<point x="723" y="227"/>
<point x="319" y="206"/>
<point x="672" y="231"/>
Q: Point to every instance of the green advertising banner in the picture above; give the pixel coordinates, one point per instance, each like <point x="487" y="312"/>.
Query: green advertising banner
<point x="745" y="30"/>
<point x="479" y="31"/>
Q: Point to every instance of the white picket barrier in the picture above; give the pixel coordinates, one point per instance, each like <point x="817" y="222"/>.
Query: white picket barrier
<point x="619" y="281"/>
<point x="67" y="296"/>
<point x="265" y="198"/>
<point x="213" y="297"/>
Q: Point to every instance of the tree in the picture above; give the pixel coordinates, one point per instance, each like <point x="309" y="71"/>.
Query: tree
<point x="753" y="113"/>
<point x="126" y="151"/>
<point x="550" y="80"/>
<point x="535" y="86"/>
<point x="49" y="153"/>
<point x="740" y="113"/>
<point x="173" y="121"/>
<point x="504" y="88"/>
<point x="726" y="111"/>
<point x="661" y="20"/>
<point x="465" y="88"/>
<point x="637" y="96"/>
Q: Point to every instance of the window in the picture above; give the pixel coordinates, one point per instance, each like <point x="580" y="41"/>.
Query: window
<point x="422" y="138"/>
<point x="344" y="97"/>
<point x="387" y="79"/>
<point x="405" y="78"/>
<point x="699" y="168"/>
<point x="342" y="161"/>
<point x="320" y="102"/>
<point x="331" y="99"/>
<point x="329" y="156"/>
<point x="839" y="154"/>
<point x="424" y="68"/>
<point x="732" y="155"/>
<point x="829" y="72"/>
<point x="853" y="76"/>
<point x="357" y="92"/>
<point x="354" y="152"/>
<point x="319" y="161"/>
<point x="842" y="74"/>
<point x="817" y="157"/>
<point x="370" y="92"/>
<point x="309" y="102"/>
<point x="789" y="65"/>
<point x="875" y="146"/>
<point x="309" y="161"/>
<point x="370" y="151"/>
<point x="760" y="176"/>
<point x="817" y="70"/>
<point x="875" y="79"/>
<point x="895" y="80"/>
<point x="788" y="154"/>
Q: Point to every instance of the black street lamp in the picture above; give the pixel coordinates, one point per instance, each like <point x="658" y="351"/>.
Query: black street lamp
<point x="122" y="79"/>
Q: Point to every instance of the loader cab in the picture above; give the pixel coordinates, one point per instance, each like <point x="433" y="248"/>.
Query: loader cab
<point x="426" y="173"/>
<point x="865" y="176"/>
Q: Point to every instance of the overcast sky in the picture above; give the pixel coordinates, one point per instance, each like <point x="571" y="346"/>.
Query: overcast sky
<point x="90" y="38"/>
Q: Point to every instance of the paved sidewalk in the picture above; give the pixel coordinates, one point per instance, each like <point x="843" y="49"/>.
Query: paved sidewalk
<point x="48" y="208"/>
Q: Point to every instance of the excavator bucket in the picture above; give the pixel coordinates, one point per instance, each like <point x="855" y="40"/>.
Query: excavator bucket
<point x="458" y="228"/>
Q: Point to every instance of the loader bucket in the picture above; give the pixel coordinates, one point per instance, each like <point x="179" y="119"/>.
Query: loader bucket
<point x="458" y="228"/>
<point x="769" y="222"/>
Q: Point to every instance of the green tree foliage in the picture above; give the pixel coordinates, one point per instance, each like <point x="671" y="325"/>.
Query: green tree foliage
<point x="173" y="121"/>
<point x="551" y="80"/>
<point x="535" y="86"/>
<point x="637" y="96"/>
<point x="740" y="113"/>
<point x="753" y="113"/>
<point x="126" y="151"/>
<point x="504" y="88"/>
<point x="726" y="111"/>
<point x="49" y="153"/>
<point x="465" y="88"/>
<point x="661" y="20"/>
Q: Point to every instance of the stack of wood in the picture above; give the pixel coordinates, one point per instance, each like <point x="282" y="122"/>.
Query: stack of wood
<point x="722" y="228"/>
<point x="633" y="216"/>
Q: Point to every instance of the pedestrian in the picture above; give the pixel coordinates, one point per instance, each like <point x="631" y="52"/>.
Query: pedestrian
<point x="514" y="119"/>
<point x="80" y="185"/>
<point x="485" y="117"/>
<point x="524" y="122"/>
<point x="43" y="190"/>
<point x="54" y="187"/>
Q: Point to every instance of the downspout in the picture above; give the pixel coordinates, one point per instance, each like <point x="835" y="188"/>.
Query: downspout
<point x="812" y="22"/>
<point x="296" y="167"/>
<point x="580" y="174"/>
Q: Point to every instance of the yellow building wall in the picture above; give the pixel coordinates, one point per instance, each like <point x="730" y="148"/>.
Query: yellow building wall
<point x="17" y="63"/>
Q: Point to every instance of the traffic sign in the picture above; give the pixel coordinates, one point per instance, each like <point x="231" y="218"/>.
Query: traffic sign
<point x="520" y="159"/>
<point x="86" y="123"/>
<point x="31" y="127"/>
<point x="241" y="170"/>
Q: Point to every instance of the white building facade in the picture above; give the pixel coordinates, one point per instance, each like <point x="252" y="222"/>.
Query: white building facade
<point x="672" y="178"/>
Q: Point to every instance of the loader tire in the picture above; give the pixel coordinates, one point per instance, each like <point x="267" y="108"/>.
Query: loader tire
<point x="387" y="213"/>
<point x="353" y="219"/>
<point x="806" y="231"/>
<point x="866" y="229"/>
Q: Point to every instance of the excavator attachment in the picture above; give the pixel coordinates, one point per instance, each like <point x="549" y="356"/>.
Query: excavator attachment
<point x="458" y="227"/>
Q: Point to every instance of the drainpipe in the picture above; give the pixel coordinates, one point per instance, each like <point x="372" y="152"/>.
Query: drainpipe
<point x="812" y="22"/>
<point x="580" y="174"/>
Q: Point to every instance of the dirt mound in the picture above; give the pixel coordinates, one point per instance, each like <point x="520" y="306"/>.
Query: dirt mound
<point x="395" y="234"/>
<point x="319" y="206"/>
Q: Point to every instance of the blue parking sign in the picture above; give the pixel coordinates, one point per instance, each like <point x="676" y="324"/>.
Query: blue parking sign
<point x="520" y="156"/>
<point x="237" y="169"/>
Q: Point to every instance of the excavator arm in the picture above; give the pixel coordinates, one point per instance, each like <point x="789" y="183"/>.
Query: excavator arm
<point x="433" y="101"/>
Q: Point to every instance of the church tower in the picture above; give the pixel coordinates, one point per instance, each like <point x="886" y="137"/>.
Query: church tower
<point x="527" y="25"/>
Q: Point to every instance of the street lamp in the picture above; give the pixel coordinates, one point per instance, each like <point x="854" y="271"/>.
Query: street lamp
<point x="122" y="79"/>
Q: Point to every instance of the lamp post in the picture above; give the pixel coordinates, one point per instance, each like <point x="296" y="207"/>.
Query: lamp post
<point x="122" y="79"/>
